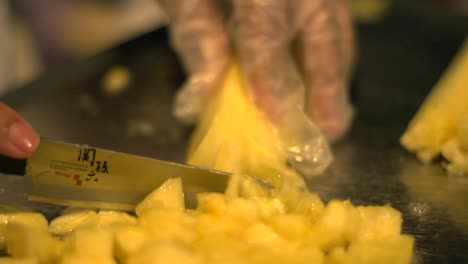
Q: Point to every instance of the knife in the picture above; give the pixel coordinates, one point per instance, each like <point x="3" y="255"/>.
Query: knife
<point x="83" y="176"/>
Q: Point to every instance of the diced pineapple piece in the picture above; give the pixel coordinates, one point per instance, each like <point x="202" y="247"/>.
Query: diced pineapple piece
<point x="222" y="248"/>
<point x="260" y="234"/>
<point x="332" y="225"/>
<point x="212" y="225"/>
<point x="439" y="118"/>
<point x="377" y="223"/>
<point x="112" y="218"/>
<point x="211" y="203"/>
<point x="90" y="245"/>
<point x="8" y="260"/>
<point x="290" y="226"/>
<point x="457" y="154"/>
<point x="244" y="211"/>
<point x="92" y="241"/>
<point x="73" y="219"/>
<point x="169" y="224"/>
<point x="128" y="241"/>
<point x="10" y="216"/>
<point x="291" y="255"/>
<point x="164" y="252"/>
<point x="169" y="195"/>
<point x="29" y="242"/>
<point x="234" y="136"/>
<point x="86" y="259"/>
<point x="300" y="201"/>
<point x="398" y="250"/>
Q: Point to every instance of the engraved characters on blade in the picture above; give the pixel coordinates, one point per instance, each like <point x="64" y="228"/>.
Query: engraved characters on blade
<point x="97" y="167"/>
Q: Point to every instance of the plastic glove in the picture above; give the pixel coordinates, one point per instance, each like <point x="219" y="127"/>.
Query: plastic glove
<point x="17" y="138"/>
<point x="267" y="36"/>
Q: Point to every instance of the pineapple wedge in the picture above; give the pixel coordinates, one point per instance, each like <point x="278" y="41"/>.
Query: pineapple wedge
<point x="442" y="117"/>
<point x="234" y="136"/>
<point x="169" y="195"/>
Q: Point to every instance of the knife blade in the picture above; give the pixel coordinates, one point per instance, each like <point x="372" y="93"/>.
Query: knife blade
<point x="83" y="176"/>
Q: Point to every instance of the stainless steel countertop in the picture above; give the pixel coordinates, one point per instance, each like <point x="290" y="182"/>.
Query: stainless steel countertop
<point x="400" y="60"/>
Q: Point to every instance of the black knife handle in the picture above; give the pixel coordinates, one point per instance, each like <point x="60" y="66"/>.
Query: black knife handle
<point x="12" y="166"/>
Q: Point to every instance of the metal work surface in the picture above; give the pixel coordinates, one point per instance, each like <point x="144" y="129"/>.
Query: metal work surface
<point x="400" y="61"/>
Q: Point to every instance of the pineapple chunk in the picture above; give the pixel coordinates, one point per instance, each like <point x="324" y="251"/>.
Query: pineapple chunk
<point x="28" y="242"/>
<point x="234" y="136"/>
<point x="377" y="223"/>
<point x="169" y="195"/>
<point x="86" y="259"/>
<point x="8" y="260"/>
<point x="169" y="224"/>
<point x="128" y="241"/>
<point x="441" y="116"/>
<point x="290" y="255"/>
<point x="398" y="250"/>
<point x="92" y="241"/>
<point x="89" y="245"/>
<point x="71" y="220"/>
<point x="9" y="216"/>
<point x="211" y="203"/>
<point x="164" y="252"/>
<point x="260" y="234"/>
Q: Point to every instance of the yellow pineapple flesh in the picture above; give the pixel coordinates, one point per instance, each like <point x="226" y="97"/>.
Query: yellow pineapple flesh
<point x="234" y="136"/>
<point x="443" y="116"/>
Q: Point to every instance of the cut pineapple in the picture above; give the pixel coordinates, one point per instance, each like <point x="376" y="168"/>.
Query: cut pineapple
<point x="247" y="224"/>
<point x="7" y="260"/>
<point x="443" y="116"/>
<point x="234" y="136"/>
<point x="28" y="242"/>
<point x="10" y="216"/>
<point x="168" y="196"/>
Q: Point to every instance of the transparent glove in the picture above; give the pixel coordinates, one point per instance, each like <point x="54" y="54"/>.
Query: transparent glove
<point x="296" y="56"/>
<point x="17" y="138"/>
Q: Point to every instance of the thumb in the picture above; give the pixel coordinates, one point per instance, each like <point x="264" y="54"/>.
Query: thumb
<point x="17" y="138"/>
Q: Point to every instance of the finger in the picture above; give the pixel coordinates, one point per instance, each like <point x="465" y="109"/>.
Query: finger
<point x="17" y="138"/>
<point x="199" y="36"/>
<point x="346" y="35"/>
<point x="323" y="64"/>
<point x="262" y="32"/>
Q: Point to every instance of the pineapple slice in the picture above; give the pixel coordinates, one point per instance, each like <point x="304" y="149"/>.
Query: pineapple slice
<point x="234" y="136"/>
<point x="442" y="115"/>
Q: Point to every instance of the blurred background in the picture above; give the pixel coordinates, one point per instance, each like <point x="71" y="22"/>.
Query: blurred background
<point x="38" y="35"/>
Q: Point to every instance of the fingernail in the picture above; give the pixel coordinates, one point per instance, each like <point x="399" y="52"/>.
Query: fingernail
<point x="23" y="137"/>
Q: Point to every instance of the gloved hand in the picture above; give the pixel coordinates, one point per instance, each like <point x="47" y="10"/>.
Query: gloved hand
<point x="17" y="138"/>
<point x="296" y="55"/>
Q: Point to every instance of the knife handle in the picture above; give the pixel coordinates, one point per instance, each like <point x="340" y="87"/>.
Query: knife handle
<point x="12" y="166"/>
